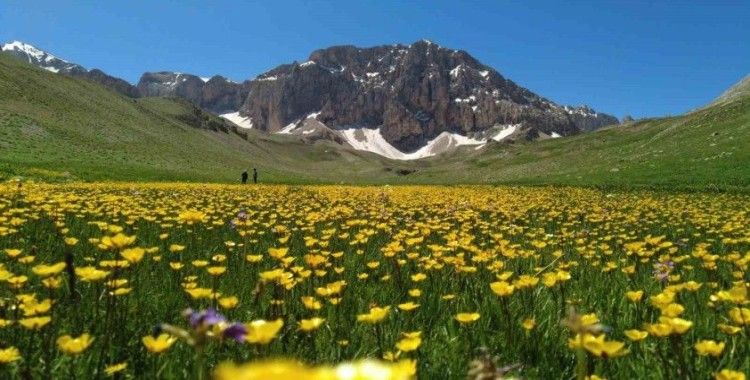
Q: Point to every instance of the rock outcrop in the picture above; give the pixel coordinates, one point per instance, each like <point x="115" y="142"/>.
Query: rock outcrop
<point x="216" y="94"/>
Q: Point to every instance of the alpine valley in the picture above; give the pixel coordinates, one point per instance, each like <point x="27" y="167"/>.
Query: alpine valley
<point x="399" y="101"/>
<point x="391" y="113"/>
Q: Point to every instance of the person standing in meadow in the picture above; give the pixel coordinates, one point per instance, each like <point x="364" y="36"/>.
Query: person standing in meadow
<point x="244" y="177"/>
<point x="255" y="175"/>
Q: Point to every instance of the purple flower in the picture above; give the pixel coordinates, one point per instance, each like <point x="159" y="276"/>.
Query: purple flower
<point x="236" y="331"/>
<point x="206" y="318"/>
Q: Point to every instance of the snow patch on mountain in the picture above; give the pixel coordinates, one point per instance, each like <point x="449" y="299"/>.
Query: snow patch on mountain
<point x="470" y="99"/>
<point x="456" y="70"/>
<point x="37" y="57"/>
<point x="30" y="50"/>
<point x="313" y="115"/>
<point x="289" y="128"/>
<point x="241" y="121"/>
<point x="372" y="140"/>
<point x="505" y="132"/>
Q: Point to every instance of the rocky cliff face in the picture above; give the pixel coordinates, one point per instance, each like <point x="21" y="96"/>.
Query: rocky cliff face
<point x="216" y="94"/>
<point x="413" y="93"/>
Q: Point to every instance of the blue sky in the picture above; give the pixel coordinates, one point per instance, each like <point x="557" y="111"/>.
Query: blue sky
<point x="641" y="58"/>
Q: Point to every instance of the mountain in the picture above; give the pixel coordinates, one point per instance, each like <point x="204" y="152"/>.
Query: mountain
<point x="41" y="59"/>
<point x="412" y="94"/>
<point x="216" y="94"/>
<point x="49" y="62"/>
<point x="409" y="98"/>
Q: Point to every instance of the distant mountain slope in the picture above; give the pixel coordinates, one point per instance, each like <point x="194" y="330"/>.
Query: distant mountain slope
<point x="738" y="90"/>
<point x="58" y="127"/>
<point x="216" y="94"/>
<point x="702" y="149"/>
<point x="49" y="62"/>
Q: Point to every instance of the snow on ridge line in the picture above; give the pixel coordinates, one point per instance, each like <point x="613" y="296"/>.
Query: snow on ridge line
<point x="29" y="49"/>
<point x="271" y="78"/>
<point x="313" y="115"/>
<point x="241" y="121"/>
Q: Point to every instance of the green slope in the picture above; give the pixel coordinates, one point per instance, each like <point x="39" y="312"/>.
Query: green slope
<point x="59" y="128"/>
<point x="709" y="147"/>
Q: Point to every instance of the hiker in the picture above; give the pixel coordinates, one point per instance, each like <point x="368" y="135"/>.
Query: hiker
<point x="244" y="177"/>
<point x="255" y="175"/>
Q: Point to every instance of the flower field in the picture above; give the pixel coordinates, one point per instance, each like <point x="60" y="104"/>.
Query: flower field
<point x="335" y="282"/>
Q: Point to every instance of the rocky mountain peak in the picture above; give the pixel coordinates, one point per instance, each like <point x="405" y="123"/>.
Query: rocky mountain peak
<point x="410" y="93"/>
<point x="41" y="58"/>
<point x="49" y="62"/>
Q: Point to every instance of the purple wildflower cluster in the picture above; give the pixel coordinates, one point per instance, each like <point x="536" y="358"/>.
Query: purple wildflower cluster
<point x="201" y="321"/>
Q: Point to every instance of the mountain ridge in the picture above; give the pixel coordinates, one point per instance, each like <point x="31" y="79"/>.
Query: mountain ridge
<point x="49" y="62"/>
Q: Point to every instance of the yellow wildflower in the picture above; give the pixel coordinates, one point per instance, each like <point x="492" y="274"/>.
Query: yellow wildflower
<point x="74" y="345"/>
<point x="159" y="344"/>
<point x="262" y="331"/>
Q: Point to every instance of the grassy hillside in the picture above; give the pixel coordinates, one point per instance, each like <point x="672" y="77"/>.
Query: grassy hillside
<point x="59" y="128"/>
<point x="739" y="90"/>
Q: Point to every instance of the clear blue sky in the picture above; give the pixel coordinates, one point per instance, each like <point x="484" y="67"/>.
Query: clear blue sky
<point x="622" y="57"/>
